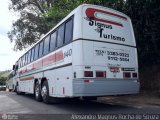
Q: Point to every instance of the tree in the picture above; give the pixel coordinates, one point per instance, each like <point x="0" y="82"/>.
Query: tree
<point x="3" y="80"/>
<point x="59" y="10"/>
<point x="31" y="24"/>
<point x="145" y="15"/>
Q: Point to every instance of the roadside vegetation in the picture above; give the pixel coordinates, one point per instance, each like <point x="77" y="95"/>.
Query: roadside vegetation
<point x="3" y="77"/>
<point x="37" y="17"/>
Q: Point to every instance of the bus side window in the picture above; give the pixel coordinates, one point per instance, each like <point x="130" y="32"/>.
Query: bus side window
<point x="68" y="31"/>
<point x="19" y="63"/>
<point x="41" y="49"/>
<point x="26" y="56"/>
<point x="22" y="60"/>
<point x="46" y="45"/>
<point x="60" y="36"/>
<point x="53" y="40"/>
<point x="32" y="54"/>
<point x="29" y="56"/>
<point x="36" y="51"/>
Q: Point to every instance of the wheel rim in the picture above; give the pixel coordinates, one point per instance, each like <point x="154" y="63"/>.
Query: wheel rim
<point x="44" y="91"/>
<point x="37" y="91"/>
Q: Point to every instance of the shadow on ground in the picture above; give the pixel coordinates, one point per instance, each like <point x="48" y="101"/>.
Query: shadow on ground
<point x="68" y="106"/>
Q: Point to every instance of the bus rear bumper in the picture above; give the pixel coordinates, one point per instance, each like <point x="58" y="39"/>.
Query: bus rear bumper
<point x="104" y="87"/>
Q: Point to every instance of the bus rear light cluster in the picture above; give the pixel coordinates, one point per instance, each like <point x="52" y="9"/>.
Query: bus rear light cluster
<point x="88" y="73"/>
<point x="101" y="74"/>
<point x="134" y="75"/>
<point x="127" y="75"/>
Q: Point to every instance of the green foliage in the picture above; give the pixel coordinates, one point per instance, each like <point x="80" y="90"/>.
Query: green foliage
<point x="3" y="80"/>
<point x="31" y="24"/>
<point x="3" y="77"/>
<point x="59" y="11"/>
<point x="145" y="15"/>
<point x="27" y="30"/>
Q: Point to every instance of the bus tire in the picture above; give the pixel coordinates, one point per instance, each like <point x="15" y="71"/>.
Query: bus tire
<point x="37" y="93"/>
<point x="45" y="92"/>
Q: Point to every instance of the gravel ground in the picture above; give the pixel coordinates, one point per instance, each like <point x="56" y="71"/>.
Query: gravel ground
<point x="138" y="99"/>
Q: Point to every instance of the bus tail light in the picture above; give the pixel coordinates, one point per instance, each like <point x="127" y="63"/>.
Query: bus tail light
<point x="101" y="74"/>
<point x="134" y="75"/>
<point x="88" y="73"/>
<point x="126" y="75"/>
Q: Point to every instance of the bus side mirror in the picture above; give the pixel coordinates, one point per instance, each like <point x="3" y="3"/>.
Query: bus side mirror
<point x="13" y="67"/>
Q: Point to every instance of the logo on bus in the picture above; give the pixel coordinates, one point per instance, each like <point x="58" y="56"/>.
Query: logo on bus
<point x="98" y="18"/>
<point x="101" y="16"/>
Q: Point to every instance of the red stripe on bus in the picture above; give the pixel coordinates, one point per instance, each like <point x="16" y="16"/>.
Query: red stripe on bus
<point x="46" y="61"/>
<point x="30" y="67"/>
<point x="49" y="60"/>
<point x="91" y="11"/>
<point x="27" y="78"/>
<point x="38" y="64"/>
<point x="59" y="56"/>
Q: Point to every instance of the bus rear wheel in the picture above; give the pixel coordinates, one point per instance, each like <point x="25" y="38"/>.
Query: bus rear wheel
<point x="37" y="93"/>
<point x="45" y="92"/>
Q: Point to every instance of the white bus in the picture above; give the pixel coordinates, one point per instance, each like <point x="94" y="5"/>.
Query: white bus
<point x="90" y="53"/>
